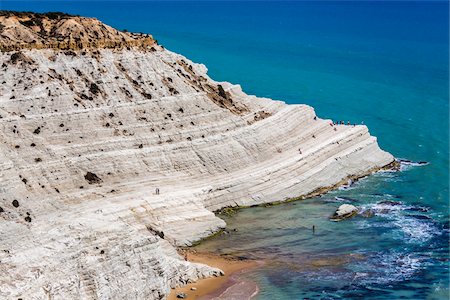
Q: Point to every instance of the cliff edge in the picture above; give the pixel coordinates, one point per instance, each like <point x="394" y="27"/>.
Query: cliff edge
<point x="26" y="30"/>
<point x="93" y="121"/>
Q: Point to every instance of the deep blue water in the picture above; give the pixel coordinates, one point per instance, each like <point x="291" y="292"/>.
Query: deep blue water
<point x="384" y="63"/>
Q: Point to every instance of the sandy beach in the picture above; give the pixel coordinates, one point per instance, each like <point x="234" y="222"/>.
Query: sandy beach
<point x="219" y="287"/>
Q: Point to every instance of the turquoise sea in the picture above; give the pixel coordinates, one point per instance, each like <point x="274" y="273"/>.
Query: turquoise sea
<point x="383" y="63"/>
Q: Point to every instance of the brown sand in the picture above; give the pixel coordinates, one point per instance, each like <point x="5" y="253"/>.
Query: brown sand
<point x="214" y="285"/>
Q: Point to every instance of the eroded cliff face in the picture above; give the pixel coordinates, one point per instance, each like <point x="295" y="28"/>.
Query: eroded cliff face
<point x="88" y="135"/>
<point x="20" y="30"/>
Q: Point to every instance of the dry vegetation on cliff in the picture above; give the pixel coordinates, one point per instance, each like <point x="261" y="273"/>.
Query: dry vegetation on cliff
<point x="20" y="30"/>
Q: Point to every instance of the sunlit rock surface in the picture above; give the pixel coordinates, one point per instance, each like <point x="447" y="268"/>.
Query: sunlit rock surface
<point x="90" y="129"/>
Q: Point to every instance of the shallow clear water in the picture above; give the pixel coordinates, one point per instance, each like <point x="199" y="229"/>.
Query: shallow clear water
<point x="399" y="252"/>
<point x="384" y="63"/>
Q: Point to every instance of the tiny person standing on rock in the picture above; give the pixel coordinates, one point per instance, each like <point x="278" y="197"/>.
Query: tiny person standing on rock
<point x="157" y="191"/>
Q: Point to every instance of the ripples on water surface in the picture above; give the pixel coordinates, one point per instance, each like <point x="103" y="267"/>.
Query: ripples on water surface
<point x="384" y="63"/>
<point x="401" y="251"/>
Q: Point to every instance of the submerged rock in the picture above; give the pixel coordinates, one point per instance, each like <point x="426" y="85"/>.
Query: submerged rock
<point x="390" y="202"/>
<point x="420" y="217"/>
<point x="345" y="211"/>
<point x="181" y="296"/>
<point x="413" y="163"/>
<point x="369" y="213"/>
<point x="417" y="209"/>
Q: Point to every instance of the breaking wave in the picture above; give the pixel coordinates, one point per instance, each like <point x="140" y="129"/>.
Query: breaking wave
<point x="411" y="223"/>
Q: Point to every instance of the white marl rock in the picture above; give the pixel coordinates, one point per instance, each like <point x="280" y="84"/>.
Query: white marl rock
<point x="142" y="120"/>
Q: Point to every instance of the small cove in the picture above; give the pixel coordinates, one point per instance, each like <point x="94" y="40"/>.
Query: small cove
<point x="381" y="63"/>
<point x="400" y="251"/>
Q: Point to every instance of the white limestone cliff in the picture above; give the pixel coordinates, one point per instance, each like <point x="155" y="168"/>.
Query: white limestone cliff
<point x="86" y="137"/>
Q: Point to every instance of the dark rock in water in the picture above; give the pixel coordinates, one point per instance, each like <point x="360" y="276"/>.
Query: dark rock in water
<point x="419" y="217"/>
<point x="413" y="163"/>
<point x="345" y="211"/>
<point x="181" y="296"/>
<point x="15" y="203"/>
<point x="92" y="178"/>
<point x="405" y="161"/>
<point x="368" y="213"/>
<point x="417" y="209"/>
<point x="390" y="202"/>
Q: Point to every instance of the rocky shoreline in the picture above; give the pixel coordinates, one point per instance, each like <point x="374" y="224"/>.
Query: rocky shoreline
<point x="230" y="210"/>
<point x="117" y="151"/>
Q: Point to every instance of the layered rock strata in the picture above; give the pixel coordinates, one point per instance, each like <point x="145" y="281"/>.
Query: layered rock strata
<point x="88" y="135"/>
